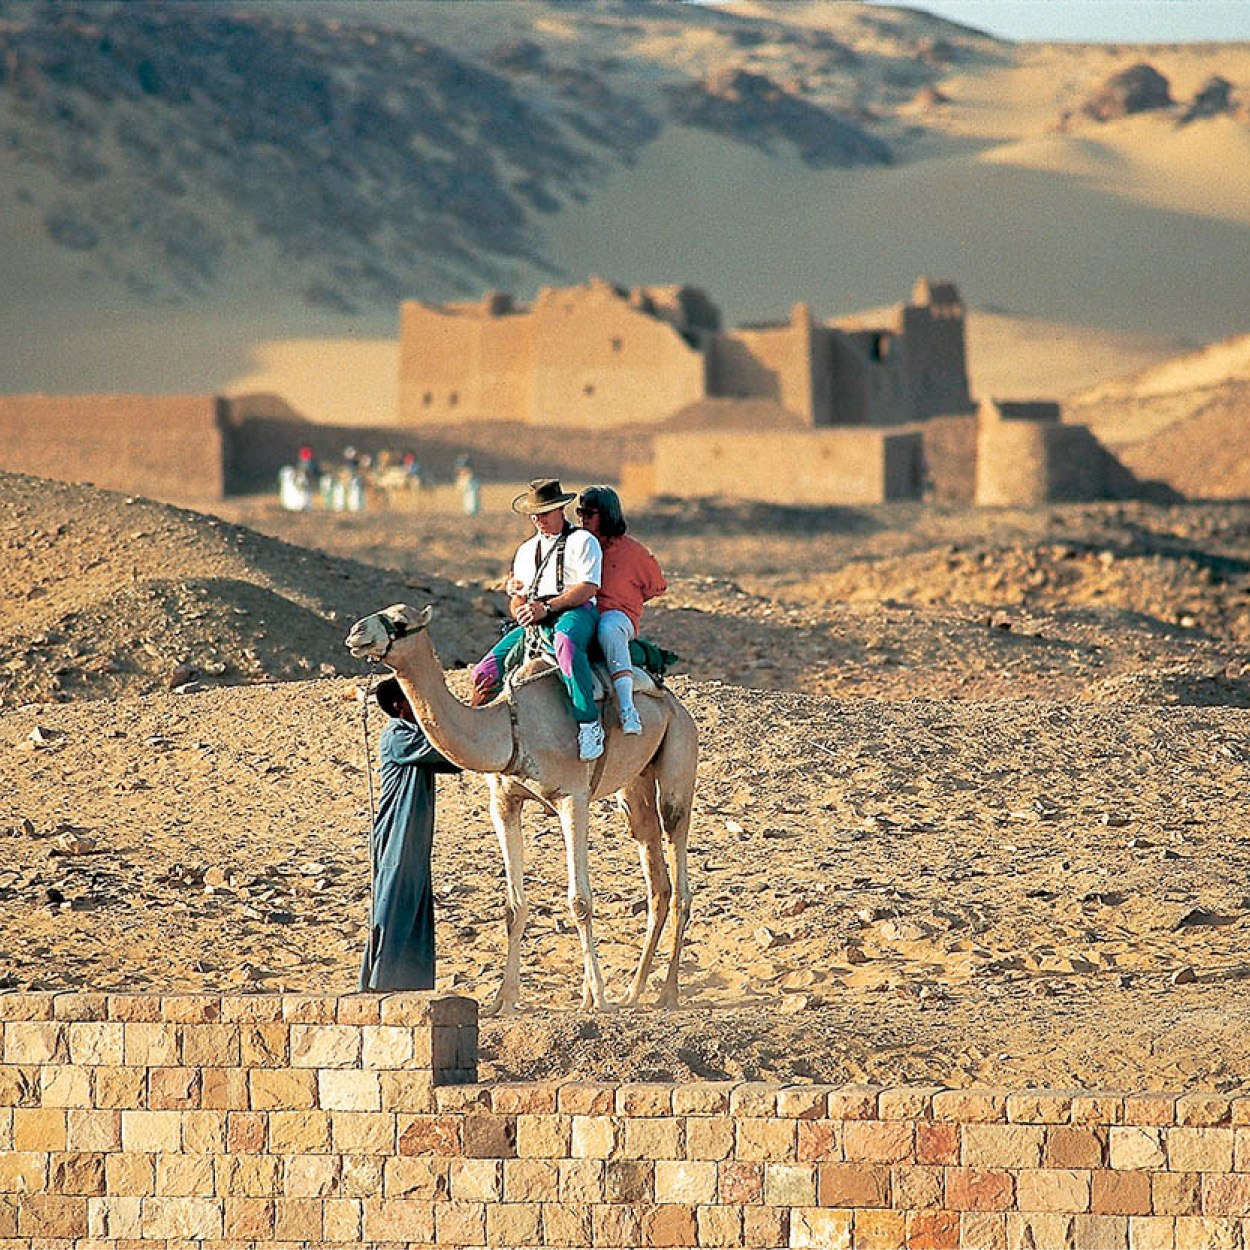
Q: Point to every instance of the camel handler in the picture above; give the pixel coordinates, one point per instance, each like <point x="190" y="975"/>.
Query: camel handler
<point x="555" y="576"/>
<point x="400" y="953"/>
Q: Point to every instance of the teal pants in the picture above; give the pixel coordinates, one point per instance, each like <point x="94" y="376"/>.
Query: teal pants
<point x="570" y="636"/>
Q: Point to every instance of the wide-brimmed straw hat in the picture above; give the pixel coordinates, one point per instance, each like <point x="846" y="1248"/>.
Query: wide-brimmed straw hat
<point x="543" y="495"/>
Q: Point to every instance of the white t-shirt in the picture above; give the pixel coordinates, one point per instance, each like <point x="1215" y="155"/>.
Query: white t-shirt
<point x="583" y="562"/>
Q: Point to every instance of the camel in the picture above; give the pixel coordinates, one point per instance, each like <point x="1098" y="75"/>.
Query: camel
<point x="526" y="745"/>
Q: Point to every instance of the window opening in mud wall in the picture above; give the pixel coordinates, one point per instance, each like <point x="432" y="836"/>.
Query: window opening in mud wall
<point x="616" y="345"/>
<point x="880" y="346"/>
<point x="427" y="399"/>
<point x="453" y="399"/>
<point x="588" y="389"/>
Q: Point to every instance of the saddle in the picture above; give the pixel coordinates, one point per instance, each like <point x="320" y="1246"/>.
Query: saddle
<point x="532" y="658"/>
<point x="543" y="665"/>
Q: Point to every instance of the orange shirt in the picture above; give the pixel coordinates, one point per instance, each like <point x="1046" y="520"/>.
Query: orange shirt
<point x="630" y="577"/>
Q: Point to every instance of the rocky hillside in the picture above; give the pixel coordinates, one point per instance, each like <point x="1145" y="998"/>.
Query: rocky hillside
<point x="352" y="151"/>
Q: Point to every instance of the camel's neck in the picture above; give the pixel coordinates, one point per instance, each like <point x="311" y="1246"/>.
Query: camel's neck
<point x="479" y="739"/>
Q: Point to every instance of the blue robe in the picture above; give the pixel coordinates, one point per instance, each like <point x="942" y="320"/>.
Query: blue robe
<point x="400" y="953"/>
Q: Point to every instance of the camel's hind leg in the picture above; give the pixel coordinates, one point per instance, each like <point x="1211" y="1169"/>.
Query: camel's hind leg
<point x="675" y="766"/>
<point x="638" y="802"/>
<point x="575" y="819"/>
<point x="505" y="813"/>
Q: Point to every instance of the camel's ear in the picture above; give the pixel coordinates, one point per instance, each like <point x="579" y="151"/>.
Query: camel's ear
<point x="424" y="617"/>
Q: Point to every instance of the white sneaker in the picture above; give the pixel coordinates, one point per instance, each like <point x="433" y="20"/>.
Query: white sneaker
<point x="589" y="740"/>
<point x="631" y="722"/>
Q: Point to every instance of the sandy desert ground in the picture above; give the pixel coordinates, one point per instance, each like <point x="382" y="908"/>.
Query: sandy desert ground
<point x="969" y="804"/>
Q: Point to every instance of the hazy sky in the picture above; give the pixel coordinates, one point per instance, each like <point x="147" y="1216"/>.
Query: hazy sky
<point x="1101" y="21"/>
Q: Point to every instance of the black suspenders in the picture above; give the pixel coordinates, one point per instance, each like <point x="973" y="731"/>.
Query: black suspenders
<point x="557" y="549"/>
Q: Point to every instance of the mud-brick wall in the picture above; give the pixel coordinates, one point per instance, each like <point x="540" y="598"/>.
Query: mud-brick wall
<point x="167" y="446"/>
<point x="133" y="1120"/>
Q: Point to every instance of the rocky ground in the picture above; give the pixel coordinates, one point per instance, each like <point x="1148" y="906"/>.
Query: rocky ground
<point x="968" y="806"/>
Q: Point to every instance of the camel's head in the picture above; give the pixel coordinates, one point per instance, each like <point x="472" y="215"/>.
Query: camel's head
<point x="375" y="635"/>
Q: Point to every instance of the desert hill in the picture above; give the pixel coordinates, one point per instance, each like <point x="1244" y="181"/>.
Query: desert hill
<point x="106" y="595"/>
<point x="166" y="221"/>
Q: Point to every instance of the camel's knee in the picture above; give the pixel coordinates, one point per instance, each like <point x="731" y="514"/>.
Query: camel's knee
<point x="515" y="916"/>
<point x="661" y="897"/>
<point x="581" y="908"/>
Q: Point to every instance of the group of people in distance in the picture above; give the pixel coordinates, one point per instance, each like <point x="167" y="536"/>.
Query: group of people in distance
<point x="578" y="584"/>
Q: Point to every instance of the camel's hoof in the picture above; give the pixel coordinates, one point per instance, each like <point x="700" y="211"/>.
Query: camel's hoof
<point x="498" y="1008"/>
<point x="668" y="998"/>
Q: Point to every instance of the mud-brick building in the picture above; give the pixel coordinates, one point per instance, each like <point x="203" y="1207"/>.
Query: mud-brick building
<point x="598" y="357"/>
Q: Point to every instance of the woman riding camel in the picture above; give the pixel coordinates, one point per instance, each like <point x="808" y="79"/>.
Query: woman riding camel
<point x="630" y="577"/>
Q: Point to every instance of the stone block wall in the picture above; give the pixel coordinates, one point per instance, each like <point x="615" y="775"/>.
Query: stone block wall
<point x="302" y="1120"/>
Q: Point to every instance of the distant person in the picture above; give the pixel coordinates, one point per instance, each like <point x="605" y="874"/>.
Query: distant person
<point x="400" y="950"/>
<point x="631" y="577"/>
<point x="308" y="466"/>
<point x="555" y="577"/>
<point x="470" y="490"/>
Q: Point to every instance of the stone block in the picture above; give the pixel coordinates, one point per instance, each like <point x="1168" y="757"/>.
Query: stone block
<point x="35" y="1041"/>
<point x="181" y="1218"/>
<point x="149" y="1045"/>
<point x="565" y="1224"/>
<point x="513" y="1224"/>
<point x="134" y="1007"/>
<point x="476" y="1180"/>
<point x="709" y="1137"/>
<point x="1091" y="1108"/>
<point x="1002" y="1145"/>
<point x="543" y="1136"/>
<point x="669" y="1225"/>
<point x="1039" y="1106"/>
<point x="359" y="1009"/>
<point x="97" y="1043"/>
<point x="211" y="1045"/>
<point x="45" y="1218"/>
<point x="114" y="1219"/>
<point x="592" y="1137"/>
<point x="27" y="1005"/>
<point x="410" y="1090"/>
<point x="1135" y="1147"/>
<point x="362" y="1176"/>
<point x="1199" y="1149"/>
<point x="252" y="1007"/>
<point x="686" y="1181"/>
<point x="248" y="1219"/>
<point x="1052" y="1189"/>
<point x="645" y="1099"/>
<point x="934" y="1230"/>
<point x="654" y="1139"/>
<point x="587" y="1098"/>
<point x="407" y="1008"/>
<point x="907" y="1102"/>
<point x="1037" y="1228"/>
<point x="531" y="1180"/>
<point x="342" y="1220"/>
<point x="913" y="1188"/>
<point x="282" y="1089"/>
<point x="705" y="1098"/>
<point x="122" y="1088"/>
<point x="739" y="1184"/>
<point x="299" y="1132"/>
<point x="151" y="1132"/>
<point x="629" y="1180"/>
<point x="309" y="1008"/>
<point x="973" y="1189"/>
<point x="1071" y="1147"/>
<point x="249" y="1176"/>
<point x="75" y="1172"/>
<point x="817" y="1141"/>
<point x="1151" y="1232"/>
<point x="524" y="1099"/>
<point x="184" y="1176"/>
<point x="1100" y="1232"/>
<point x="1149" y="1109"/>
<point x="363" y="1132"/>
<point x="1241" y="1150"/>
<point x="1204" y="1110"/>
<point x="1121" y="1193"/>
<point x="853" y="1185"/>
<point x="246" y="1132"/>
<point x="581" y="1181"/>
<point x="803" y="1102"/>
<point x="460" y="1223"/>
<point x="191" y="1008"/>
<point x="264" y="1044"/>
<point x="386" y="1046"/>
<point x="424" y="1177"/>
<point x="23" y="1171"/>
<point x="1226" y="1195"/>
<point x="1176" y="1193"/>
<point x="719" y="1226"/>
<point x="398" y="1219"/>
<point x="971" y="1106"/>
<point x="173" y="1089"/>
<point x="1202" y="1232"/>
<point x="613" y="1224"/>
<point x="1240" y="1110"/>
<point x="767" y="1139"/>
<point x="820" y="1228"/>
<point x="880" y="1230"/>
<point x="39" y="1128"/>
<point x="489" y="1136"/>
<point x="787" y="1184"/>
<point x="130" y="1175"/>
<point x="765" y="1226"/>
<point x="311" y="1176"/>
<point x="875" y="1141"/>
<point x="339" y="1090"/>
<point x="93" y="1130"/>
<point x="80" y="1005"/>
<point x="325" y="1046"/>
<point x="429" y="1134"/>
<point x="19" y="1086"/>
<point x="853" y="1102"/>
<point x="64" y="1085"/>
<point x="223" y="1089"/>
<point x="938" y="1143"/>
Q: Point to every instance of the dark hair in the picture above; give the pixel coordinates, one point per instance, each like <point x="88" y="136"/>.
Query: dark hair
<point x="391" y="697"/>
<point x="608" y="504"/>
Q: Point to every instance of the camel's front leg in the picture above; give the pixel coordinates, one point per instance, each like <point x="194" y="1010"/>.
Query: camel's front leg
<point x="575" y="820"/>
<point x="505" y="813"/>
